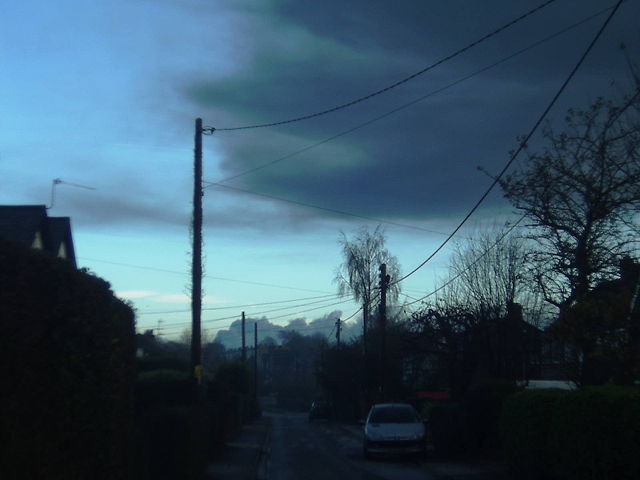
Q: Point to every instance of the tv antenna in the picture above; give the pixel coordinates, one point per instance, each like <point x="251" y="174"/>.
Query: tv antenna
<point x="57" y="181"/>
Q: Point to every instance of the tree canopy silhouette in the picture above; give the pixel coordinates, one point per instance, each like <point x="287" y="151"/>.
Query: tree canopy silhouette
<point x="359" y="273"/>
<point x="580" y="194"/>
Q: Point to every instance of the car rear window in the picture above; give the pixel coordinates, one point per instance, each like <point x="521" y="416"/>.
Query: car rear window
<point x="394" y="415"/>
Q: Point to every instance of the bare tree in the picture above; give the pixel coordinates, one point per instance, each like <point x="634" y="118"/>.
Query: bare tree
<point x="474" y="326"/>
<point x="359" y="273"/>
<point x="490" y="271"/>
<point x="580" y="194"/>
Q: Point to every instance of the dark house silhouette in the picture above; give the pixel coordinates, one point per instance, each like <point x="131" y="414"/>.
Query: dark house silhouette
<point x="31" y="225"/>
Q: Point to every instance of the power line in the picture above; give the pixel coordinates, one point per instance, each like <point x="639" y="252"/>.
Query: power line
<point x="331" y="210"/>
<point x="240" y="307"/>
<point x="278" y="328"/>
<point x="270" y="328"/>
<point x="396" y="84"/>
<point x="208" y="277"/>
<point x="253" y="314"/>
<point x="298" y="306"/>
<point x="480" y="257"/>
<point x="352" y="315"/>
<point x="410" y="103"/>
<point x="310" y="310"/>
<point x="521" y="146"/>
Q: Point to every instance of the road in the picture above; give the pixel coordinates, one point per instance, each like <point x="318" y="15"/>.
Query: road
<point x="324" y="450"/>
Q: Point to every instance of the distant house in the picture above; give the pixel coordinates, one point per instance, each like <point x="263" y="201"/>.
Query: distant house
<point x="602" y="330"/>
<point x="505" y="348"/>
<point x="31" y="225"/>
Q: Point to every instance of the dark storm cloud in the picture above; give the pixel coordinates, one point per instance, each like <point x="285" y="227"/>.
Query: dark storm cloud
<point x="421" y="161"/>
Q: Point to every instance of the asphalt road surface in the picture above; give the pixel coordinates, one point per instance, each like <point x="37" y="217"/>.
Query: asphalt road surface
<point x="319" y="450"/>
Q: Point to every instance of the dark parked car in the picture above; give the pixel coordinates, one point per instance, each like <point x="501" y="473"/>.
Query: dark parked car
<point x="394" y="429"/>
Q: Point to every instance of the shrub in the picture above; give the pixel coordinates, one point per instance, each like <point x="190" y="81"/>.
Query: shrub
<point x="67" y="364"/>
<point x="168" y="388"/>
<point x="448" y="430"/>
<point x="163" y="362"/>
<point x="176" y="429"/>
<point x="236" y="376"/>
<point x="525" y="424"/>
<point x="175" y="443"/>
<point x="483" y="407"/>
<point x="595" y="433"/>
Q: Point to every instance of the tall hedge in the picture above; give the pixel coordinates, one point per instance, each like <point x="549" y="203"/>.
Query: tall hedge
<point x="525" y="427"/>
<point x="66" y="370"/>
<point x="483" y="405"/>
<point x="174" y="427"/>
<point x="448" y="430"/>
<point x="595" y="434"/>
<point x="591" y="433"/>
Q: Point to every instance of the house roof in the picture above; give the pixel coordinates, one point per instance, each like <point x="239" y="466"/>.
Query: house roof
<point x="60" y="234"/>
<point x="22" y="223"/>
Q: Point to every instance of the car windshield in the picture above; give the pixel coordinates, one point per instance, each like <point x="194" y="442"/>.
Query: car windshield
<point x="394" y="414"/>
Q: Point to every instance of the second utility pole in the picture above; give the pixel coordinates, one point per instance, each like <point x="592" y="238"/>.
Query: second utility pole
<point x="196" y="266"/>
<point x="255" y="359"/>
<point x="244" y="345"/>
<point x="384" y="284"/>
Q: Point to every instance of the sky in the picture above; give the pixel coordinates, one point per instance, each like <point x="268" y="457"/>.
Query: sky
<point x="105" y="95"/>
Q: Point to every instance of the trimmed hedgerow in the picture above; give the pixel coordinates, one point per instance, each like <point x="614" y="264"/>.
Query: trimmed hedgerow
<point x="470" y="427"/>
<point x="595" y="433"/>
<point x="483" y="406"/>
<point x="174" y="442"/>
<point x="66" y="368"/>
<point x="173" y="426"/>
<point x="181" y="426"/>
<point x="525" y="424"/>
<point x="448" y="430"/>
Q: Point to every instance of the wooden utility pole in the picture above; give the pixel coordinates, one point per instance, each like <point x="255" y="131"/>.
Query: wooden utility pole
<point x="365" y="325"/>
<point x="244" y="345"/>
<point x="196" y="266"/>
<point x="384" y="283"/>
<point x="255" y="359"/>
<point x="338" y="326"/>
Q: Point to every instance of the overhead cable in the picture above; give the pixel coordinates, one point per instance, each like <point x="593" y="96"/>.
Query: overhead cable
<point x="410" y="103"/>
<point x="207" y="277"/>
<point x="240" y="307"/>
<point x="521" y="146"/>
<point x="399" y="82"/>
<point x="250" y="314"/>
<point x="331" y="210"/>
<point x="475" y="261"/>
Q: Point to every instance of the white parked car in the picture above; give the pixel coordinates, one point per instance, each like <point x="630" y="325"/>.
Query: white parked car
<point x="394" y="429"/>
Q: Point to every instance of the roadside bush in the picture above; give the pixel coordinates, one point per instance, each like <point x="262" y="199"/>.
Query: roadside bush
<point x="175" y="443"/>
<point x="181" y="425"/>
<point x="66" y="369"/>
<point x="525" y="424"/>
<point x="472" y="425"/>
<point x="174" y="426"/>
<point x="167" y="388"/>
<point x="163" y="362"/>
<point x="233" y="382"/>
<point x="483" y="407"/>
<point x="229" y="411"/>
<point x="448" y="430"/>
<point x="235" y="375"/>
<point x="595" y="434"/>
